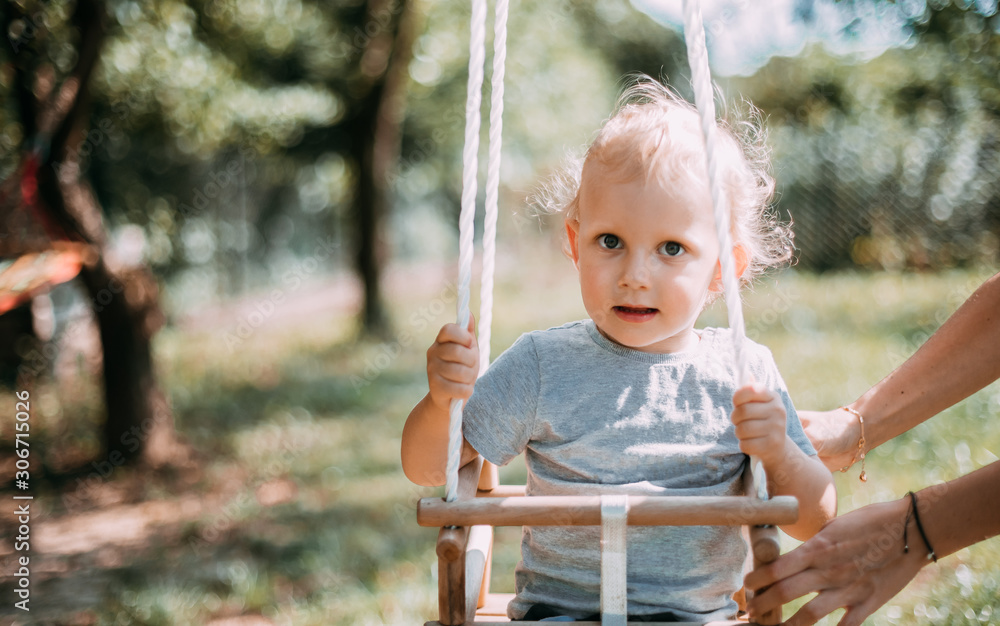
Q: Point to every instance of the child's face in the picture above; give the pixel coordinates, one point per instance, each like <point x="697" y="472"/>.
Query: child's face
<point x="647" y="258"/>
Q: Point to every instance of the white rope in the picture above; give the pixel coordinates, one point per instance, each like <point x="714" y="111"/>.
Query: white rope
<point x="614" y="594"/>
<point x="704" y="100"/>
<point x="492" y="185"/>
<point x="467" y="219"/>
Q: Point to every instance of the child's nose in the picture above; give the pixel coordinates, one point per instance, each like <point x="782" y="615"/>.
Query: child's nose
<point x="636" y="274"/>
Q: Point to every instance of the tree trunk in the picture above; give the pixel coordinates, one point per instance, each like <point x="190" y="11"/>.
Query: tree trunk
<point x="369" y="210"/>
<point x="124" y="299"/>
<point x="375" y="141"/>
<point x="136" y="409"/>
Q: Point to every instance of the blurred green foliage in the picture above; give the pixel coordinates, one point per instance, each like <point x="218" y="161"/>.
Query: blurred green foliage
<point x="892" y="162"/>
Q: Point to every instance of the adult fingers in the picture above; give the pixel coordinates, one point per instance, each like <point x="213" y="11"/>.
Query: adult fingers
<point x="856" y="597"/>
<point x="787" y="590"/>
<point x="820" y="564"/>
<point x="834" y="438"/>
<point x="816" y="609"/>
<point x="856" y="615"/>
<point x="812" y="419"/>
<point x="786" y="565"/>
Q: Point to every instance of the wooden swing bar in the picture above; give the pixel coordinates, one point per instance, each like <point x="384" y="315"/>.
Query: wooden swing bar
<point x="586" y="511"/>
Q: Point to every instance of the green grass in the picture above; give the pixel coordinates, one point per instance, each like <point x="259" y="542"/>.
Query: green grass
<point x="305" y="404"/>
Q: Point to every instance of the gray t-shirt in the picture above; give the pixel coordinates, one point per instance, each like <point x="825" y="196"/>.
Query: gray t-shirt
<point x="595" y="417"/>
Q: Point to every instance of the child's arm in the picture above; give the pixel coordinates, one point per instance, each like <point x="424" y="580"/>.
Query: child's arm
<point x="452" y="366"/>
<point x="759" y="417"/>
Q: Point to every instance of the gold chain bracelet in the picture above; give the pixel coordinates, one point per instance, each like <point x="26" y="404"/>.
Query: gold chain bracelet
<point x="861" y="447"/>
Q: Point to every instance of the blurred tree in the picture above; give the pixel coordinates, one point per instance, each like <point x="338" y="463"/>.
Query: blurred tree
<point x="891" y="162"/>
<point x="258" y="133"/>
<point x="54" y="51"/>
<point x="378" y="84"/>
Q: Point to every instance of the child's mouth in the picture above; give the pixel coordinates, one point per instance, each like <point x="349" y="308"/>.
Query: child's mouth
<point x="634" y="313"/>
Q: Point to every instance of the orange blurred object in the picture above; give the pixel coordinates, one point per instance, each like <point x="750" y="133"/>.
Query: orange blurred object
<point x="35" y="273"/>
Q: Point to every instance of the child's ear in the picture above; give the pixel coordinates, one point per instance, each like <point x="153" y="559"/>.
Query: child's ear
<point x="742" y="259"/>
<point x="573" y="240"/>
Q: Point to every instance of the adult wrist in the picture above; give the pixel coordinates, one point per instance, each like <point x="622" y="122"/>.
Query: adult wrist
<point x="859" y="449"/>
<point x="885" y="536"/>
<point x="879" y="419"/>
<point x="916" y="559"/>
<point x="910" y="547"/>
<point x="914" y="532"/>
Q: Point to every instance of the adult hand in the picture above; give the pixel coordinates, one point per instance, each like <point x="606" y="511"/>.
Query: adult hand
<point x="855" y="562"/>
<point x="835" y="435"/>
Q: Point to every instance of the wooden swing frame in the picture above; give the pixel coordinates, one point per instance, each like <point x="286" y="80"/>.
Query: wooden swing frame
<point x="465" y="541"/>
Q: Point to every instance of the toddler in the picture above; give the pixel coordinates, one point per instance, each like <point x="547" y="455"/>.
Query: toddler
<point x="635" y="399"/>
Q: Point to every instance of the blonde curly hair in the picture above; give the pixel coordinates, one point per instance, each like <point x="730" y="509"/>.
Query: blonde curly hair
<point x="655" y="132"/>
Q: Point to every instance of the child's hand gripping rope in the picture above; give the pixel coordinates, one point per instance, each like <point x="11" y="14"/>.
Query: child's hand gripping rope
<point x="453" y="364"/>
<point x="759" y="417"/>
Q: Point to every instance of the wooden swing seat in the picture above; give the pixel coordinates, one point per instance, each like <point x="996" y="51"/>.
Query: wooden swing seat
<point x="465" y="541"/>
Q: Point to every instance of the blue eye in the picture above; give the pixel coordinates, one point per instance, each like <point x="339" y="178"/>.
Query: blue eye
<point x="611" y="242"/>
<point x="671" y="248"/>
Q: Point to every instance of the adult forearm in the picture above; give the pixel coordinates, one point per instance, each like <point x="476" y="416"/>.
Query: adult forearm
<point x="962" y="357"/>
<point x="961" y="512"/>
